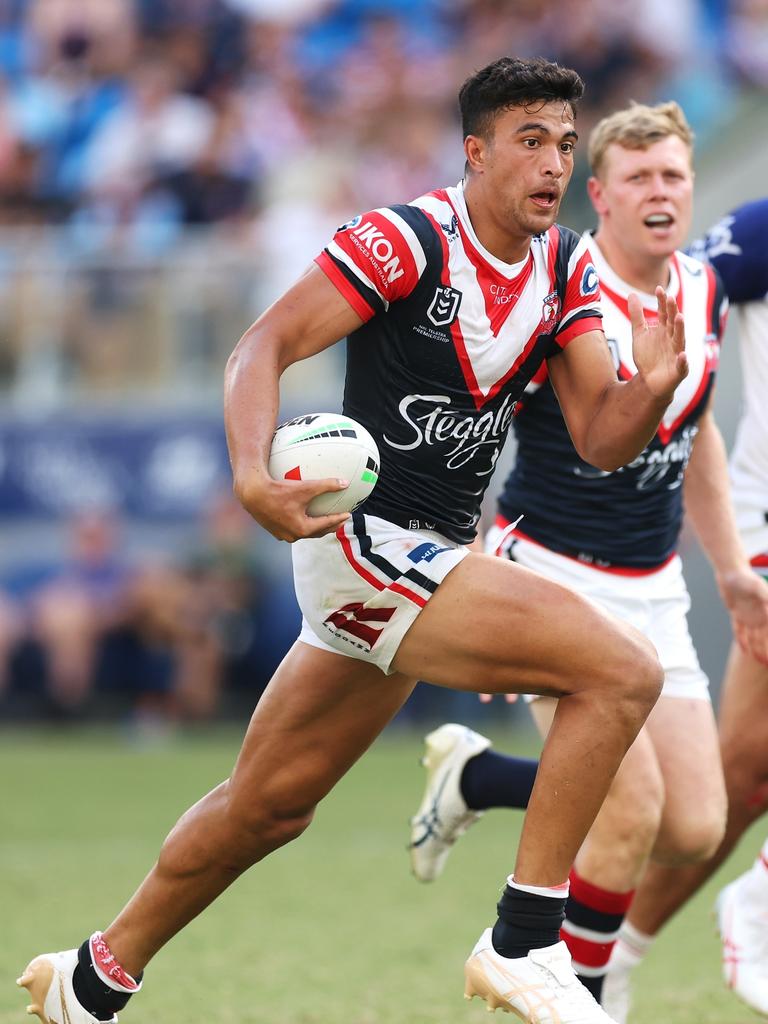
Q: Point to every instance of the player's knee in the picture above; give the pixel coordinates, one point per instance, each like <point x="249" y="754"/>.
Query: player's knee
<point x="693" y="837"/>
<point x="746" y="779"/>
<point x="253" y="826"/>
<point x="634" y="669"/>
<point x="263" y="827"/>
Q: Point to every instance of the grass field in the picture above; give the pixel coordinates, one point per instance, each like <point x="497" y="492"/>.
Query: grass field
<point x="330" y="930"/>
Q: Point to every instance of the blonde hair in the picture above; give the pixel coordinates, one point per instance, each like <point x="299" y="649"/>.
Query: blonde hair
<point x="637" y="127"/>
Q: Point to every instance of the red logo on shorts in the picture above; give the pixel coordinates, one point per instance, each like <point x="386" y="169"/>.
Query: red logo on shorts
<point x="354" y="618"/>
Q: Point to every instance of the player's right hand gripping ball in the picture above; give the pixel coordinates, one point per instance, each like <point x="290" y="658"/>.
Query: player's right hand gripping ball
<point x="326" y="444"/>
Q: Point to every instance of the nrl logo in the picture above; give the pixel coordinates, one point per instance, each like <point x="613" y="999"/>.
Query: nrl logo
<point x="444" y="307"/>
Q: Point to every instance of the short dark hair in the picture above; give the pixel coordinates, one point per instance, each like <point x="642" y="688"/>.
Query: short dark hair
<point x="512" y="82"/>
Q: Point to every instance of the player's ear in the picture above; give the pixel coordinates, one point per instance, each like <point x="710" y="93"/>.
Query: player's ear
<point x="474" y="150"/>
<point x="595" y="193"/>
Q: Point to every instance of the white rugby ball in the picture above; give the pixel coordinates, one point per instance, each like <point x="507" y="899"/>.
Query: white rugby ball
<point x="326" y="444"/>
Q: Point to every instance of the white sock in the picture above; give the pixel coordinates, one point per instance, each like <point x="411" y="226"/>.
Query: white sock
<point x="555" y="891"/>
<point x="631" y="946"/>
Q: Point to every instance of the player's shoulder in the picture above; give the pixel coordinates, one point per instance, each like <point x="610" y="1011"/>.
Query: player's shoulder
<point x="735" y="246"/>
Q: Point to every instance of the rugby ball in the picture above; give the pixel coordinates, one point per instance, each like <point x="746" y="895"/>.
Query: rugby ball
<point x="326" y="444"/>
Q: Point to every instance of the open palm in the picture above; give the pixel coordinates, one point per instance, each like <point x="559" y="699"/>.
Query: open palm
<point x="658" y="348"/>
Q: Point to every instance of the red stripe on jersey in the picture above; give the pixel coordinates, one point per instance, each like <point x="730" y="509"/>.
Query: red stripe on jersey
<point x="590" y="954"/>
<point x="456" y="334"/>
<point x="553" y="238"/>
<point x="577" y="328"/>
<point x="397" y="588"/>
<point x="350" y="293"/>
<point x="381" y="253"/>
<point x="616" y="570"/>
<point x="500" y="293"/>
<point x="759" y="561"/>
<point x="680" y="297"/>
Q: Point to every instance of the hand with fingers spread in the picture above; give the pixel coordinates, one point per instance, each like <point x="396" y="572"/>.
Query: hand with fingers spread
<point x="658" y="349"/>
<point x="280" y="506"/>
<point x="745" y="595"/>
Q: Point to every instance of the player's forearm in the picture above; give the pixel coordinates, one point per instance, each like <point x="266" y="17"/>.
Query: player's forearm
<point x="708" y="501"/>
<point x="251" y="402"/>
<point x="624" y="422"/>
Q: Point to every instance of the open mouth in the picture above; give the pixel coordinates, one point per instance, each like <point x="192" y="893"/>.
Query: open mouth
<point x="547" y="198"/>
<point x="659" y="220"/>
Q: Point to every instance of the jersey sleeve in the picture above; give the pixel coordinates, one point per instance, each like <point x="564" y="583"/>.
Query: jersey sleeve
<point x="376" y="259"/>
<point x="735" y="246"/>
<point x="578" y="280"/>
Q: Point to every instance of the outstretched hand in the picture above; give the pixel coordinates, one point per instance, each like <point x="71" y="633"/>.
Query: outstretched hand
<point x="658" y="349"/>
<point x="746" y="597"/>
<point x="280" y="506"/>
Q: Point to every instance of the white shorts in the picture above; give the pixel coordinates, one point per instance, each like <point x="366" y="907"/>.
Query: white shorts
<point x="361" y="588"/>
<point x="655" y="603"/>
<point x="753" y="530"/>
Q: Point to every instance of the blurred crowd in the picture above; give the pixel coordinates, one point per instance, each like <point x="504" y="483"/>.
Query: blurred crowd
<point x="156" y="640"/>
<point x="127" y="124"/>
<point x="138" y="117"/>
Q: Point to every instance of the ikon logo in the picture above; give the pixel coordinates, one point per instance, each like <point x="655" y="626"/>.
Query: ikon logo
<point x="354" y="618"/>
<point x="445" y="306"/>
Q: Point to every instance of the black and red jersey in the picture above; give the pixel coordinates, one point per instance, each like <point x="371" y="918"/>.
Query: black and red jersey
<point x="629" y="519"/>
<point x="451" y="337"/>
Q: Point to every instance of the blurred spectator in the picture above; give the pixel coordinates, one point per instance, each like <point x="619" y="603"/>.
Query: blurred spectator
<point x="220" y="650"/>
<point x="747" y="41"/>
<point x="155" y="131"/>
<point x="73" y="612"/>
<point x="106" y="98"/>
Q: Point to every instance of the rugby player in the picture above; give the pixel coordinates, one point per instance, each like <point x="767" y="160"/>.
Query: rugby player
<point x="736" y="247"/>
<point x="391" y="594"/>
<point x="613" y="537"/>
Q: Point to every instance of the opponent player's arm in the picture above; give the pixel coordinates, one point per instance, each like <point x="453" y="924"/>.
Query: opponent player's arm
<point x="710" y="511"/>
<point x="310" y="316"/>
<point x="611" y="421"/>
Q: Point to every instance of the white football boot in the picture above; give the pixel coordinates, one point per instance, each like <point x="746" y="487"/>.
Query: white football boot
<point x="49" y="981"/>
<point x="541" y="988"/>
<point x="742" y="919"/>
<point x="443" y="815"/>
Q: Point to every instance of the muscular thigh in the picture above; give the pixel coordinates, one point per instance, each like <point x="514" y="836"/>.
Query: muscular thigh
<point x="495" y="626"/>
<point x="320" y="712"/>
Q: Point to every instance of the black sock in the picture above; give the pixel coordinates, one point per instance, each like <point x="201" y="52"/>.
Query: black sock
<point x="593" y="985"/>
<point x="526" y="921"/>
<point x="497" y="780"/>
<point x="100" y="1000"/>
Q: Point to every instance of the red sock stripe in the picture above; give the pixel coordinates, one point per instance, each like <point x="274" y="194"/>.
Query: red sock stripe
<point x="599" y="899"/>
<point x="590" y="954"/>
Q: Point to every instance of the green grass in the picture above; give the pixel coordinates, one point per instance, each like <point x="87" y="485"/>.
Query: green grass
<point x="330" y="930"/>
